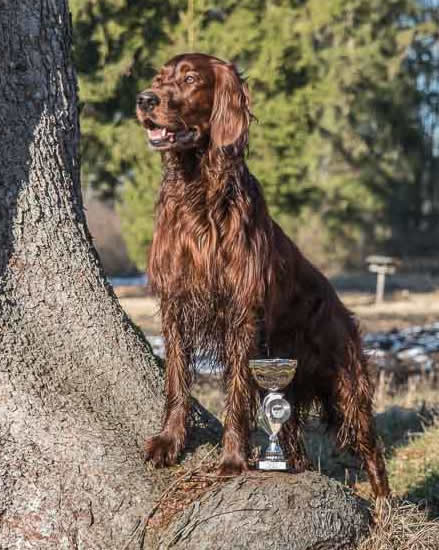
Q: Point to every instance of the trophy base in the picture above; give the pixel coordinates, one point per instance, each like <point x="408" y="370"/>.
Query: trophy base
<point x="276" y="465"/>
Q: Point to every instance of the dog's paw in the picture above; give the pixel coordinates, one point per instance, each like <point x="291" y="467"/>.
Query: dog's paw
<point x="232" y="466"/>
<point x="162" y="450"/>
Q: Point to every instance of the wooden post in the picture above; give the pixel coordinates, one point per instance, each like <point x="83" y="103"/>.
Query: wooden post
<point x="381" y="280"/>
<point x="381" y="265"/>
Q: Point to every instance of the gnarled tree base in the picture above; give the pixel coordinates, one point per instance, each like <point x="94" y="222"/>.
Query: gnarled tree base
<point x="271" y="510"/>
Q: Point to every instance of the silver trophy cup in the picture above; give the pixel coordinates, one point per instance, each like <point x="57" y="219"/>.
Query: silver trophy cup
<point x="273" y="375"/>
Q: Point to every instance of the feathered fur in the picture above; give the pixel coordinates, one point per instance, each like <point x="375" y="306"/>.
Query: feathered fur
<point x="233" y="284"/>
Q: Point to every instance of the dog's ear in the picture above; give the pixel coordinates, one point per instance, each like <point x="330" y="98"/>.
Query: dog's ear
<point x="230" y="118"/>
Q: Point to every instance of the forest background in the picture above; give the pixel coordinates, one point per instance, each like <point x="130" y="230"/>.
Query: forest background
<point x="346" y="97"/>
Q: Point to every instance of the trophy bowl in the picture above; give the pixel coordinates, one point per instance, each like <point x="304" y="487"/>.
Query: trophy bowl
<point x="273" y="375"/>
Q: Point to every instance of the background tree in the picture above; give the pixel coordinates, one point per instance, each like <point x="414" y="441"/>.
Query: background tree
<point x="346" y="124"/>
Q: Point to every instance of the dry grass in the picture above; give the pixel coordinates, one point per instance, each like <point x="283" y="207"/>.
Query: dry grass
<point x="398" y="311"/>
<point x="402" y="526"/>
<point x="414" y="470"/>
<point x="418" y="390"/>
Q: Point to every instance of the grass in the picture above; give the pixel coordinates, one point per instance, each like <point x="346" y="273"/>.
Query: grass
<point x="402" y="526"/>
<point x="414" y="470"/>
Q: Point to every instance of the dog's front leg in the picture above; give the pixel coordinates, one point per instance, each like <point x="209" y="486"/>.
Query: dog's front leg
<point x="163" y="449"/>
<point x="240" y="399"/>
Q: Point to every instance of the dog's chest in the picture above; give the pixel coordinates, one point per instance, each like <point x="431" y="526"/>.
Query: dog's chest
<point x="204" y="241"/>
<point x="209" y="247"/>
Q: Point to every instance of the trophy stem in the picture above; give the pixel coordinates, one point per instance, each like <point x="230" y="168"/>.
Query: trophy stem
<point x="274" y="451"/>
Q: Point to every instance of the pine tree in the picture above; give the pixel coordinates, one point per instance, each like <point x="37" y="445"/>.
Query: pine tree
<point x="340" y="147"/>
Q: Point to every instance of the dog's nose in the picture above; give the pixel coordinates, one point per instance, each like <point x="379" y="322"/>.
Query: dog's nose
<point x="147" y="101"/>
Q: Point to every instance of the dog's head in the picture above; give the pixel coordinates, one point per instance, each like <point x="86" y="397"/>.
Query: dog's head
<point x="195" y="99"/>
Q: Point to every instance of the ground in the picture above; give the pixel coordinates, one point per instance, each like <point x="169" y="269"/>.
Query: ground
<point x="401" y="309"/>
<point x="407" y="423"/>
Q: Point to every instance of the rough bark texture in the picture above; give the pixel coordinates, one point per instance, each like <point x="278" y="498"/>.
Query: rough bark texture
<point x="271" y="511"/>
<point x="79" y="387"/>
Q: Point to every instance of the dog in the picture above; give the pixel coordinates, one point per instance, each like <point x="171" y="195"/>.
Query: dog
<point x="232" y="283"/>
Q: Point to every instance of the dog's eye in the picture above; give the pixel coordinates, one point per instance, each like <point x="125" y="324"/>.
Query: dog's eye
<point x="189" y="79"/>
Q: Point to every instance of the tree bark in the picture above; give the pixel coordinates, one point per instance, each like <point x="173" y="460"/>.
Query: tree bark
<point x="79" y="386"/>
<point x="303" y="512"/>
<point x="80" y="389"/>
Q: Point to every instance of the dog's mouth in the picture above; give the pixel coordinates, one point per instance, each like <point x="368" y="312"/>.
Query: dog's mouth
<point x="162" y="137"/>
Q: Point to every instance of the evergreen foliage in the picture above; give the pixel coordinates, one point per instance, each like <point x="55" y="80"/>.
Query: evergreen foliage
<point x="346" y="97"/>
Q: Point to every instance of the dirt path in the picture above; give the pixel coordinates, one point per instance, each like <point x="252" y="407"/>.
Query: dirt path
<point x="401" y="310"/>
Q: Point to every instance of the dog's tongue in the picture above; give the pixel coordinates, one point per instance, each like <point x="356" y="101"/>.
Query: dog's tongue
<point x="160" y="133"/>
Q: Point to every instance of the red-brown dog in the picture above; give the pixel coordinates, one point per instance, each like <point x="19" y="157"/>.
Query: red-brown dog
<point x="233" y="284"/>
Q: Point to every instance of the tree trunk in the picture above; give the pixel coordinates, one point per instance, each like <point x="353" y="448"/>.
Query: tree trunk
<point x="80" y="389"/>
<point x="79" y="386"/>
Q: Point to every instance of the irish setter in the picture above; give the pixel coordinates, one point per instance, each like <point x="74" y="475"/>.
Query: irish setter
<point x="233" y="284"/>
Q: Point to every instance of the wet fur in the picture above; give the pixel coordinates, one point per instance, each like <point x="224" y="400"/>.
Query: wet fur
<point x="231" y="282"/>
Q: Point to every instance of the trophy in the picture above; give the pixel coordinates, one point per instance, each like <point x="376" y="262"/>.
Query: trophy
<point x="273" y="375"/>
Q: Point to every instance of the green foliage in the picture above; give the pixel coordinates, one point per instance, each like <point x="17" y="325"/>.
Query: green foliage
<point x="341" y="144"/>
<point x="136" y="209"/>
